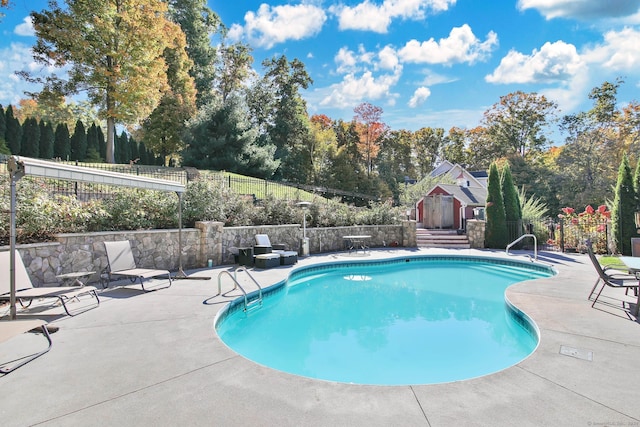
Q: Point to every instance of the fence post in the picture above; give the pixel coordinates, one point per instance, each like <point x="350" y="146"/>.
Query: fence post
<point x="561" y="234"/>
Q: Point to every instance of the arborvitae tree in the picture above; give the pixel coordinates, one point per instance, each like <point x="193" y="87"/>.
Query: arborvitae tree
<point x="93" y="154"/>
<point x="496" y="235"/>
<point x="13" y="132"/>
<point x="102" y="144"/>
<point x="134" y="150"/>
<point x="61" y="143"/>
<point x="3" y="146"/>
<point x="122" y="151"/>
<point x="512" y="209"/>
<point x="79" y="142"/>
<point x="30" y="144"/>
<point x="142" y="153"/>
<point x="636" y="186"/>
<point x="623" y="210"/>
<point x="3" y="126"/>
<point x="46" y="140"/>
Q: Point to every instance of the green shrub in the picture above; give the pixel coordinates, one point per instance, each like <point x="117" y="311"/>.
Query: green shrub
<point x="40" y="215"/>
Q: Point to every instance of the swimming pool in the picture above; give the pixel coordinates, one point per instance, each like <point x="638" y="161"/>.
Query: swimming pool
<point x="417" y="320"/>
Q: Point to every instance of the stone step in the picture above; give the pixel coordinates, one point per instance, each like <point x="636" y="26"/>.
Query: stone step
<point x="427" y="238"/>
<point x="445" y="246"/>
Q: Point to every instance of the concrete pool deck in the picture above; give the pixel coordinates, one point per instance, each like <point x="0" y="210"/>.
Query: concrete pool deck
<point x="155" y="359"/>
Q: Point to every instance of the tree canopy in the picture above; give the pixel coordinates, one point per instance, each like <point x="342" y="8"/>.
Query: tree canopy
<point x="112" y="50"/>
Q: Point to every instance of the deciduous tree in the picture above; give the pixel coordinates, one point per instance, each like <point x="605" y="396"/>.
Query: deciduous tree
<point x="517" y="123"/>
<point x="429" y="143"/>
<point x="370" y="128"/>
<point x="112" y="49"/>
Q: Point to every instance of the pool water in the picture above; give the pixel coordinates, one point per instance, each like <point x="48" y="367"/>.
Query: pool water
<point x="413" y="321"/>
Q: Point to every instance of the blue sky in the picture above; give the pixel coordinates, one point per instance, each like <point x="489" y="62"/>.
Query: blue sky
<point x="437" y="63"/>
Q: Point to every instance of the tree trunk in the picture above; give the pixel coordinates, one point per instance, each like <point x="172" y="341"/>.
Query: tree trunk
<point x="111" y="131"/>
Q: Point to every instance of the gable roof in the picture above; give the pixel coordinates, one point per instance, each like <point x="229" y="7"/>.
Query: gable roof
<point x="455" y="172"/>
<point x="470" y="196"/>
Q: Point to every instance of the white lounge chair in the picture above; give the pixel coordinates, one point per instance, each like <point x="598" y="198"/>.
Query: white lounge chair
<point x="25" y="292"/>
<point x="121" y="263"/>
<point x="12" y="328"/>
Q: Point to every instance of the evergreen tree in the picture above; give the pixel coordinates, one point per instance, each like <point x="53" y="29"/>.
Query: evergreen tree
<point x="93" y="154"/>
<point x="624" y="207"/>
<point x="198" y="22"/>
<point x="512" y="208"/>
<point x="61" y="144"/>
<point x="46" y="140"/>
<point x="79" y="142"/>
<point x="496" y="235"/>
<point x="13" y="132"/>
<point x="123" y="151"/>
<point x="221" y="137"/>
<point x="636" y="186"/>
<point x="30" y="144"/>
<point x="3" y="126"/>
<point x="4" y="149"/>
<point x="102" y="144"/>
<point x="134" y="150"/>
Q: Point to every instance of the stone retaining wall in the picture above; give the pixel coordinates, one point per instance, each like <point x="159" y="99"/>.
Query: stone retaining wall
<point x="158" y="249"/>
<point x="475" y="233"/>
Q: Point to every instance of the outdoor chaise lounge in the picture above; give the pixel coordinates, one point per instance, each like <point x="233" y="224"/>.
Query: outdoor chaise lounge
<point x="12" y="328"/>
<point x="264" y="246"/>
<point x="26" y="293"/>
<point x="121" y="263"/>
<point x="614" y="280"/>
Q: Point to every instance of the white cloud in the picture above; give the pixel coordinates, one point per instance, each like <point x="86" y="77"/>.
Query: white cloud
<point x="419" y="96"/>
<point x="432" y="78"/>
<point x="388" y="58"/>
<point x="370" y="16"/>
<point x="619" y="52"/>
<point x="461" y="46"/>
<point x="356" y="89"/>
<point x="583" y="9"/>
<point x="557" y="61"/>
<point x="272" y="25"/>
<point x="348" y="61"/>
<point x="235" y="32"/>
<point x="26" y="28"/>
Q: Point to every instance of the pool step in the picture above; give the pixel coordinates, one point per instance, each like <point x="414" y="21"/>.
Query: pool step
<point x="427" y="238"/>
<point x="253" y="304"/>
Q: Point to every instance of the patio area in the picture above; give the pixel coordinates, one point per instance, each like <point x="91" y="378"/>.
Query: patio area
<point x="155" y="359"/>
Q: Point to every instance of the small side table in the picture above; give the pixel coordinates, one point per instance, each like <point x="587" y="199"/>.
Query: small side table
<point x="245" y="256"/>
<point x="73" y="279"/>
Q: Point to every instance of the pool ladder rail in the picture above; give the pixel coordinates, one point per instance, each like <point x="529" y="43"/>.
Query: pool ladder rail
<point x="248" y="302"/>
<point x="535" y="246"/>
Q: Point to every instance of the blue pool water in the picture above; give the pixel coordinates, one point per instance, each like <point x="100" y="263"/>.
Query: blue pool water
<point x="397" y="322"/>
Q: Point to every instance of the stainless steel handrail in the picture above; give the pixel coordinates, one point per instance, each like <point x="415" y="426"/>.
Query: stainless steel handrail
<point x="236" y="284"/>
<point x="535" y="244"/>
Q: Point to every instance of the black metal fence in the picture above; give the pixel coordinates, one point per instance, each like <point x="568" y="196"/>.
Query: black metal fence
<point x="564" y="235"/>
<point x="255" y="187"/>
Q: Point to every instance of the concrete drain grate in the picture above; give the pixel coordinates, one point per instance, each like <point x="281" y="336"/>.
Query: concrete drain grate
<point x="576" y="352"/>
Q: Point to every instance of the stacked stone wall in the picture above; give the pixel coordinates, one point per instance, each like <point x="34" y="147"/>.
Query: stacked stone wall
<point x="159" y="249"/>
